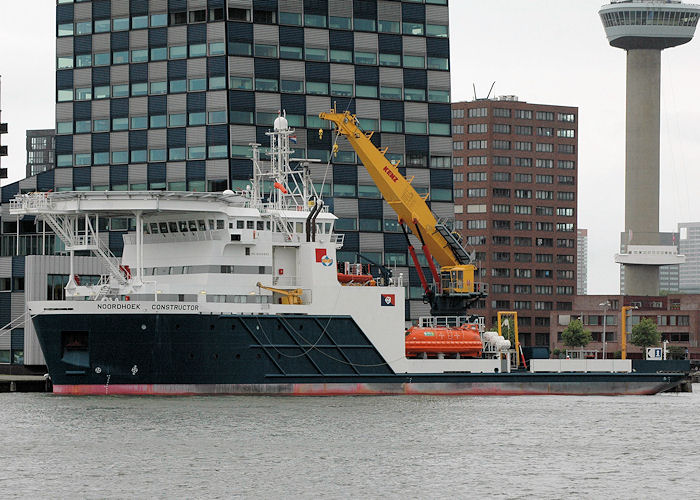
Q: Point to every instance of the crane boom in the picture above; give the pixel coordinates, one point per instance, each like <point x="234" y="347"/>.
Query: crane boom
<point x="455" y="285"/>
<point x="408" y="204"/>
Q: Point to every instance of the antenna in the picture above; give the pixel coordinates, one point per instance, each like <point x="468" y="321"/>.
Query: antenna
<point x="491" y="89"/>
<point x="474" y="86"/>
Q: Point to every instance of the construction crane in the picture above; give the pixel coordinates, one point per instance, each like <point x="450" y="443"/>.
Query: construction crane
<point x="288" y="297"/>
<point x="454" y="286"/>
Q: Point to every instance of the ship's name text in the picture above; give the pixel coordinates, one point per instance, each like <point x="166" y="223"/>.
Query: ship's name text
<point x="125" y="306"/>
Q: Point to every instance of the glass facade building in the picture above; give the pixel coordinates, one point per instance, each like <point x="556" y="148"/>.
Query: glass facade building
<point x="168" y="95"/>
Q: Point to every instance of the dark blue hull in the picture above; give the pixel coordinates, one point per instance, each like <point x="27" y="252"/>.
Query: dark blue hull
<point x="285" y="354"/>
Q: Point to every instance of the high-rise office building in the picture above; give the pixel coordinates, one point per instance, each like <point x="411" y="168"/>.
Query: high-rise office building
<point x="689" y="245"/>
<point x="3" y="130"/>
<point x="515" y="202"/>
<point x="165" y="94"/>
<point x="582" y="262"/>
<point x="40" y="151"/>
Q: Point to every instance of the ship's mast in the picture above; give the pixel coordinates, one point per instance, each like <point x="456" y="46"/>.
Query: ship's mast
<point x="286" y="187"/>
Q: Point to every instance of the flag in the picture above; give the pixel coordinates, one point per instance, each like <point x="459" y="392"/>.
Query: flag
<point x="388" y="299"/>
<point x="293" y="139"/>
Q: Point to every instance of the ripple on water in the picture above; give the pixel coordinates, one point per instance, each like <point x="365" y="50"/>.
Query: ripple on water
<point x="397" y="447"/>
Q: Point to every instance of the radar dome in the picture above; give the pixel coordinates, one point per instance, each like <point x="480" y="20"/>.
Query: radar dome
<point x="281" y="123"/>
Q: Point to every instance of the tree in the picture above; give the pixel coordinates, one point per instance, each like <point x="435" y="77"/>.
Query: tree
<point x="576" y="336"/>
<point x="676" y="352"/>
<point x="645" y="335"/>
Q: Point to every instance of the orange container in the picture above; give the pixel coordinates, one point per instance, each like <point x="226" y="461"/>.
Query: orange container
<point x="464" y="340"/>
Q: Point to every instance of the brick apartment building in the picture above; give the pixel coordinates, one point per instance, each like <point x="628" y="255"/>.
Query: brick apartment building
<point x="515" y="173"/>
<point x="677" y="316"/>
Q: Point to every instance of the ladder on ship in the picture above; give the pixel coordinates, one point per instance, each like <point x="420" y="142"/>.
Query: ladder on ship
<point x="454" y="241"/>
<point x="67" y="228"/>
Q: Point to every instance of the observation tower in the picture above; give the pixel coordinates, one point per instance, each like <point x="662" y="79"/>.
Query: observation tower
<point x="644" y="28"/>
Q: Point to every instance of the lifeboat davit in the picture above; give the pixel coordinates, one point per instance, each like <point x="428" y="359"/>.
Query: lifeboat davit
<point x="355" y="274"/>
<point x="449" y="341"/>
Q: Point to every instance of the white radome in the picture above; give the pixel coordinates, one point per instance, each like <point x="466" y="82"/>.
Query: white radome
<point x="281" y="123"/>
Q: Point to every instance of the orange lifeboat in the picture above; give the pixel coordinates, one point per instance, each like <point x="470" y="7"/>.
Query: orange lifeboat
<point x="431" y="342"/>
<point x="355" y="278"/>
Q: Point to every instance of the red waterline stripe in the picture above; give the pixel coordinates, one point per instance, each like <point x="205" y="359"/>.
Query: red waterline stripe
<point x="312" y="390"/>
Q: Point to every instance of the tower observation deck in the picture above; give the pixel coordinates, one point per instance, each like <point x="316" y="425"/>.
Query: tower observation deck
<point x="644" y="28"/>
<point x="649" y="24"/>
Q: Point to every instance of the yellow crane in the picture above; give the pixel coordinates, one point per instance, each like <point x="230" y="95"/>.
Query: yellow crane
<point x="289" y="297"/>
<point x="455" y="284"/>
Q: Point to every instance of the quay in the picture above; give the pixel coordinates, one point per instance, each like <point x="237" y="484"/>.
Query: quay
<point x="24" y="379"/>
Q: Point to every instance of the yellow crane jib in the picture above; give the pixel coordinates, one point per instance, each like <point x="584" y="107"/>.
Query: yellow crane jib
<point x="457" y="274"/>
<point x="288" y="297"/>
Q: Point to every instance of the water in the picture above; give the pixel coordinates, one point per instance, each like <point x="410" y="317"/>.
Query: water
<point x="357" y="447"/>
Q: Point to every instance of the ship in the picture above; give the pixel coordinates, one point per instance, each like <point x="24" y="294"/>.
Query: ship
<point x="241" y="293"/>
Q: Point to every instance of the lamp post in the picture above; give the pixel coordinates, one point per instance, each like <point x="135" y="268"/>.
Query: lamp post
<point x="605" y="306"/>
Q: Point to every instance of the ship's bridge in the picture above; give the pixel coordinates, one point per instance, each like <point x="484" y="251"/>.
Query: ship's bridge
<point x="649" y="24"/>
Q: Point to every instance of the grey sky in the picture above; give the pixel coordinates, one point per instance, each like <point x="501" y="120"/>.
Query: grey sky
<point x="544" y="51"/>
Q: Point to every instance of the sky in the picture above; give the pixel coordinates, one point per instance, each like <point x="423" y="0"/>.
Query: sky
<point x="543" y="51"/>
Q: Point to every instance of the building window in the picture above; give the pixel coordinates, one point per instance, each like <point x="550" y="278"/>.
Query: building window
<point x="566" y="164"/>
<point x="566" y="148"/>
<point x="568" y="133"/>
<point x="566" y="117"/>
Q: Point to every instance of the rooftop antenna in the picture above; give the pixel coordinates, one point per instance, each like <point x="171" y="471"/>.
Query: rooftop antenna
<point x="491" y="89"/>
<point x="474" y="86"/>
